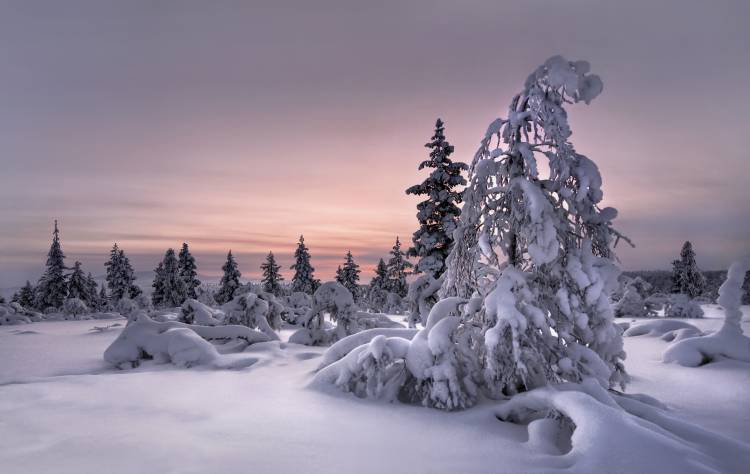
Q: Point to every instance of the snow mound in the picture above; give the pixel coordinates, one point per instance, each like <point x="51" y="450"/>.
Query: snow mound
<point x="181" y="344"/>
<point x="729" y="341"/>
<point x="349" y="343"/>
<point x="667" y="329"/>
<point x="195" y="312"/>
<point x="592" y="430"/>
<point x="681" y="306"/>
<point x="8" y="316"/>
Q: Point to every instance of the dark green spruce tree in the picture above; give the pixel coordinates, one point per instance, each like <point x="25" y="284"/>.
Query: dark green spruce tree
<point x="52" y="288"/>
<point x="230" y="281"/>
<point x="438" y="213"/>
<point x="398" y="269"/>
<point x="303" y="279"/>
<point x="686" y="277"/>
<point x="189" y="271"/>
<point x="271" y="280"/>
<point x="78" y="285"/>
<point x="169" y="287"/>
<point x="350" y="275"/>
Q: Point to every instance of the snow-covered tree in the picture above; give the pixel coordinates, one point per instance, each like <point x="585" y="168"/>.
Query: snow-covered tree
<point x="74" y="307"/>
<point x="377" y="291"/>
<point x="687" y="279"/>
<point x="271" y="280"/>
<point x="103" y="299"/>
<point x="537" y="250"/>
<point x="303" y="280"/>
<point x="169" y="286"/>
<point x="52" y="288"/>
<point x="120" y="275"/>
<point x="78" y="286"/>
<point x="230" y="281"/>
<point x="349" y="275"/>
<point x="188" y="271"/>
<point x="92" y="294"/>
<point x="438" y="214"/>
<point x="632" y="304"/>
<point x="397" y="270"/>
<point x="26" y="295"/>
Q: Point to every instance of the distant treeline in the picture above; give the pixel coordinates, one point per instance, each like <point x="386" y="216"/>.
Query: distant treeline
<point x="661" y="281"/>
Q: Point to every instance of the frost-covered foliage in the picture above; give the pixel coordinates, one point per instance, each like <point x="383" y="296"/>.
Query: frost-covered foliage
<point x="334" y="299"/>
<point x="74" y="307"/>
<point x="25" y="296"/>
<point x="169" y="285"/>
<point x="127" y="308"/>
<point x="687" y="279"/>
<point x="304" y="280"/>
<point x="296" y="306"/>
<point x="271" y="280"/>
<point x="251" y="310"/>
<point x="680" y="305"/>
<point x="181" y="344"/>
<point x="553" y="234"/>
<point x="195" y="312"/>
<point x="632" y="303"/>
<point x="188" y="271"/>
<point x="120" y="275"/>
<point x="438" y="214"/>
<point x="78" y="286"/>
<point x="10" y="316"/>
<point x="230" y="281"/>
<point x="423" y="294"/>
<point x="52" y="288"/>
<point x="397" y="269"/>
<point x="349" y="275"/>
<point x="729" y="341"/>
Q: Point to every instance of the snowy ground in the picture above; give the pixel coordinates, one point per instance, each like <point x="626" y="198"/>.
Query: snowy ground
<point x="63" y="410"/>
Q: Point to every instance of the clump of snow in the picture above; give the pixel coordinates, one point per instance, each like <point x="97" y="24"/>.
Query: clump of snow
<point x="297" y="305"/>
<point x="729" y="341"/>
<point x="181" y="344"/>
<point x="679" y="305"/>
<point x="9" y="316"/>
<point x="251" y="310"/>
<point x="195" y="312"/>
<point x="422" y="295"/>
<point x="347" y="344"/>
<point x="660" y="328"/>
<point x="74" y="307"/>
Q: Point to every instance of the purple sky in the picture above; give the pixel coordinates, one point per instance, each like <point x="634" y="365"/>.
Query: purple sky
<point x="243" y="124"/>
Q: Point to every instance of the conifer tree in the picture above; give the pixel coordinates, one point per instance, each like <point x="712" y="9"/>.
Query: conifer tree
<point x="52" y="289"/>
<point x="339" y="275"/>
<point x="188" y="271"/>
<point x="120" y="275"/>
<point x="78" y="285"/>
<point x="103" y="299"/>
<point x="169" y="287"/>
<point x="26" y="295"/>
<point x="271" y="277"/>
<point x="397" y="271"/>
<point x="349" y="275"/>
<point x="686" y="277"/>
<point x="380" y="279"/>
<point x="303" y="279"/>
<point x="92" y="293"/>
<point x="438" y="214"/>
<point x="230" y="281"/>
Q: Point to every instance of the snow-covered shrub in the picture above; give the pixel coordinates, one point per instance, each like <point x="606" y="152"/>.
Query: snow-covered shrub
<point x="632" y="304"/>
<point x="729" y="341"/>
<point x="127" y="308"/>
<point x="297" y="305"/>
<point x="195" y="312"/>
<point x="250" y="310"/>
<point x="423" y="294"/>
<point x="9" y="316"/>
<point x="334" y="299"/>
<point x="656" y="301"/>
<point x="74" y="307"/>
<point x="143" y="302"/>
<point x="344" y="346"/>
<point x="276" y="309"/>
<point x="681" y="306"/>
<point x="181" y="344"/>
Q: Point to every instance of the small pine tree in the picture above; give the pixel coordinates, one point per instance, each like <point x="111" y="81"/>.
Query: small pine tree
<point x="120" y="275"/>
<point x="26" y="295"/>
<point x="381" y="276"/>
<point x="339" y="275"/>
<point x="686" y="277"/>
<point x="92" y="297"/>
<point x="230" y="281"/>
<point x="188" y="271"/>
<point x="171" y="287"/>
<point x="77" y="284"/>
<point x="349" y="275"/>
<point x="157" y="295"/>
<point x="52" y="289"/>
<point x="271" y="276"/>
<point x="103" y="299"/>
<point x="438" y="214"/>
<point x="397" y="271"/>
<point x="303" y="279"/>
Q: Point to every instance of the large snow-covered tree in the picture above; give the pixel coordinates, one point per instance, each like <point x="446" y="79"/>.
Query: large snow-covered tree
<point x="120" y="275"/>
<point x="438" y="213"/>
<point x="303" y="280"/>
<point x="52" y="289"/>
<point x="536" y="249"/>
<point x="188" y="271"/>
<point x="349" y="275"/>
<point x="169" y="285"/>
<point x="398" y="269"/>
<point x="686" y="277"/>
<point x="230" y="281"/>
<point x="271" y="280"/>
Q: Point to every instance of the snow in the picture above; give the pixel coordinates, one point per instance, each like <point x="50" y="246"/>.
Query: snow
<point x="64" y="410"/>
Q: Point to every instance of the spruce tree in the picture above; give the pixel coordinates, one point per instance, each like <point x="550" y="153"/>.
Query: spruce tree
<point x="52" y="289"/>
<point x="92" y="297"/>
<point x="271" y="277"/>
<point x="349" y="275"/>
<point x="380" y="279"/>
<point x="397" y="270"/>
<point x="157" y="295"/>
<point x="339" y="275"/>
<point x="120" y="275"/>
<point x="26" y="295"/>
<point x="188" y="271"/>
<point x="686" y="277"/>
<point x="438" y="214"/>
<point x="103" y="299"/>
<point x="303" y="279"/>
<point x="78" y="285"/>
<point x="171" y="286"/>
<point x="230" y="281"/>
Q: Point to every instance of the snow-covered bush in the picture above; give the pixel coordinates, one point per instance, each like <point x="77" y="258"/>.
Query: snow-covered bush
<point x="250" y="310"/>
<point x="9" y="316"/>
<point x="334" y="299"/>
<point x="632" y="303"/>
<point x="74" y="307"/>
<point x="276" y="309"/>
<point x="681" y="306"/>
<point x="656" y="301"/>
<point x="423" y="294"/>
<point x="297" y="305"/>
<point x="729" y="341"/>
<point x="127" y="308"/>
<point x="143" y="302"/>
<point x="181" y="344"/>
<point x="195" y="312"/>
